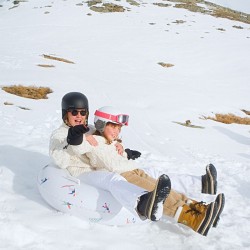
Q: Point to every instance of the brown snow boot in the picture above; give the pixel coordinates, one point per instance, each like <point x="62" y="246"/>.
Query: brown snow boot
<point x="200" y="221"/>
<point x="201" y="207"/>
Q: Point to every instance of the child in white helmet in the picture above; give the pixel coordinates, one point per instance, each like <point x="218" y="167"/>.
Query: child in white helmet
<point x="206" y="183"/>
<point x="108" y="123"/>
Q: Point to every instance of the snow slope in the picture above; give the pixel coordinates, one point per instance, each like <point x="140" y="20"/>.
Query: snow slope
<point x="116" y="59"/>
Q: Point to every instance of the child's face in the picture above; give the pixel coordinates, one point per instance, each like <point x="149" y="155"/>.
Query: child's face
<point x="112" y="131"/>
<point x="76" y="118"/>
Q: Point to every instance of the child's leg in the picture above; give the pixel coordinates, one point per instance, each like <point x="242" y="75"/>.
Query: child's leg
<point x="179" y="206"/>
<point x="143" y="180"/>
<point x="173" y="202"/>
<point x="161" y="185"/>
<point x="124" y="192"/>
<point x="188" y="184"/>
<point x="139" y="178"/>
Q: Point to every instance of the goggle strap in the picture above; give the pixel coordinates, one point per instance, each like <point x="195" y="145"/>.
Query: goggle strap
<point x="105" y="115"/>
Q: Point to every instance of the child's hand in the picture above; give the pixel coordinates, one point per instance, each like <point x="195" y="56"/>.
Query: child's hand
<point x="119" y="148"/>
<point x="132" y="154"/>
<point x="75" y="134"/>
<point x="91" y="140"/>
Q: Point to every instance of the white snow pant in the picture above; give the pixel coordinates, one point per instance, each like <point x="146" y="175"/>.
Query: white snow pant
<point x="127" y="194"/>
<point x="124" y="192"/>
<point x="183" y="183"/>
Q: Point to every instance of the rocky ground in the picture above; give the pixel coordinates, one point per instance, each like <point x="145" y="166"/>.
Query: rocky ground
<point x="200" y="6"/>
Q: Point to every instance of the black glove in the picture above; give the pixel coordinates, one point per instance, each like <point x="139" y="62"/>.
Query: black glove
<point x="75" y="134"/>
<point x="132" y="154"/>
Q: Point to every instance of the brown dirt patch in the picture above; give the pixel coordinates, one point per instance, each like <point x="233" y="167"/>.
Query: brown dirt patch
<point x="108" y="7"/>
<point x="46" y="65"/>
<point x="31" y="92"/>
<point x="166" y="65"/>
<point x="228" y="119"/>
<point x="132" y="2"/>
<point x="162" y="4"/>
<point x="57" y="58"/>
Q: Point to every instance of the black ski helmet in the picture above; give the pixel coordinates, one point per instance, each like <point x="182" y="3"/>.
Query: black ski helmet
<point x="74" y="100"/>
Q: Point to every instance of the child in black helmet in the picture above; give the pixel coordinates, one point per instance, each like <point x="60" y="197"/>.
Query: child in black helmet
<point x="64" y="150"/>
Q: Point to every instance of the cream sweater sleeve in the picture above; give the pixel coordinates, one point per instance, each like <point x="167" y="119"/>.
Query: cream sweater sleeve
<point x="106" y="157"/>
<point x="56" y="148"/>
<point x="63" y="154"/>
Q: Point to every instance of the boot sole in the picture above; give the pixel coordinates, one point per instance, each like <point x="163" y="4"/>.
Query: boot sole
<point x="208" y="220"/>
<point x="220" y="200"/>
<point x="212" y="173"/>
<point x="160" y="193"/>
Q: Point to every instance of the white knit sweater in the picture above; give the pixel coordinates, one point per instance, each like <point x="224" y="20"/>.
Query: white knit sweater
<point x="84" y="157"/>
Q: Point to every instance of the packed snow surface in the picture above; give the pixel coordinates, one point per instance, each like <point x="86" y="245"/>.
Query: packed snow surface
<point x="116" y="58"/>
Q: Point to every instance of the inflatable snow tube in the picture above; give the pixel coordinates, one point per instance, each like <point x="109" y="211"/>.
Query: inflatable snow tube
<point x="65" y="193"/>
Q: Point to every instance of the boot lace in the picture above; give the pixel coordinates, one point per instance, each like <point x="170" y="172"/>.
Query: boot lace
<point x="193" y="211"/>
<point x="200" y="204"/>
<point x="194" y="208"/>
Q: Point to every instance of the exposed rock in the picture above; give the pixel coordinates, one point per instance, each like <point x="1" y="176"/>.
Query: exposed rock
<point x="212" y="9"/>
<point x="192" y="7"/>
<point x="19" y="1"/>
<point x="166" y="65"/>
<point x="179" y="21"/>
<point x="162" y="4"/>
<point x="108" y="7"/>
<point x="237" y="27"/>
<point x="132" y="2"/>
<point x="221" y="29"/>
<point x="93" y="2"/>
<point x="8" y="103"/>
